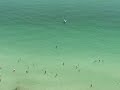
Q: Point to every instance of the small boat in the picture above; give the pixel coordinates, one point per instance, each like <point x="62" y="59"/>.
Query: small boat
<point x="65" y="21"/>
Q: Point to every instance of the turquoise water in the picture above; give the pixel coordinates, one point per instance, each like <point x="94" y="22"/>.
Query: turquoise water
<point x="31" y="30"/>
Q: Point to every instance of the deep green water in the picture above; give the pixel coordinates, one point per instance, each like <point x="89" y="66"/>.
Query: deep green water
<point x="31" y="29"/>
<point x="32" y="26"/>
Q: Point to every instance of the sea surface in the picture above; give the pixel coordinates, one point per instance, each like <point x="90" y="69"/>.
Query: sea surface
<point x="38" y="51"/>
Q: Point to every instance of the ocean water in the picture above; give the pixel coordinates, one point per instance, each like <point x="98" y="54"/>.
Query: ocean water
<point x="82" y="54"/>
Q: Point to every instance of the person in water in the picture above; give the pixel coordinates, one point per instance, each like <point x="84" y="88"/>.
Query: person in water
<point x="56" y="46"/>
<point x="63" y="63"/>
<point x="45" y="72"/>
<point x="91" y="85"/>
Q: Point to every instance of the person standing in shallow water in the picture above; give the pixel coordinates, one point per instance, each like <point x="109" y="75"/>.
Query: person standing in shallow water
<point x="27" y="71"/>
<point x="56" y="75"/>
<point x="45" y="72"/>
<point x="63" y="63"/>
<point x="56" y="46"/>
<point x="91" y="86"/>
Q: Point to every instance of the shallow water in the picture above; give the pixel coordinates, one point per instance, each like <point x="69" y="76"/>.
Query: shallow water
<point x="30" y="31"/>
